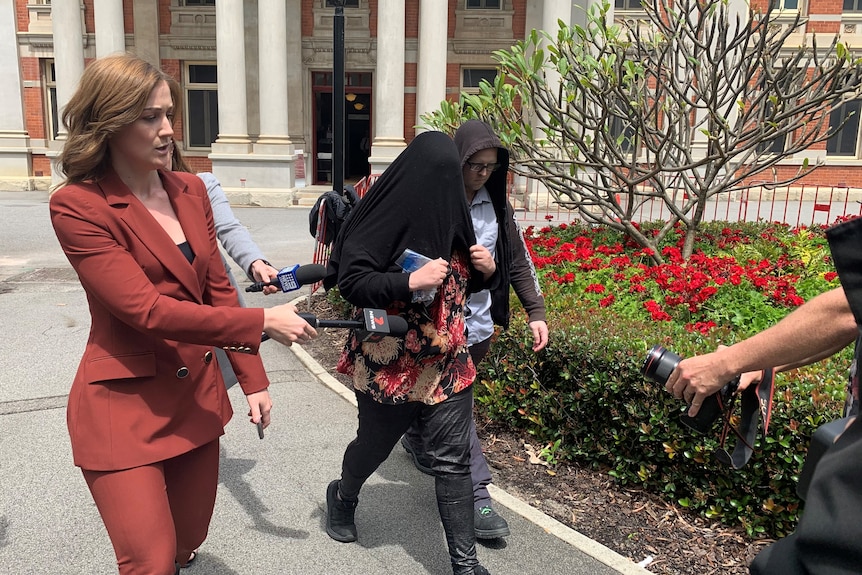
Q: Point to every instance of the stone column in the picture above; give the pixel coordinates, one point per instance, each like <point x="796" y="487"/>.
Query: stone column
<point x="146" y="18"/>
<point x="68" y="29"/>
<point x="431" y="71"/>
<point x="388" y="86"/>
<point x="230" y="59"/>
<point x="555" y="10"/>
<point x="14" y="140"/>
<point x="231" y="152"/>
<point x="110" y="35"/>
<point x="295" y="79"/>
<point x="274" y="148"/>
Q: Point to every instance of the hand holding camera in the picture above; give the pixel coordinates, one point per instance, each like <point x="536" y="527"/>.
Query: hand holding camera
<point x="660" y="364"/>
<point x="705" y="408"/>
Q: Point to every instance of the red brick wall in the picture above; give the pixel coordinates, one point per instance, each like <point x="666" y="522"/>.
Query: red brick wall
<point x="41" y="166"/>
<point x="21" y="14"/>
<point x="34" y="115"/>
<point x="164" y="16"/>
<point x="411" y="19"/>
<point x="519" y="20"/>
<point x="372" y="22"/>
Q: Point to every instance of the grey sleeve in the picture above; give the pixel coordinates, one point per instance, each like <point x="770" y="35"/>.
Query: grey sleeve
<point x="233" y="236"/>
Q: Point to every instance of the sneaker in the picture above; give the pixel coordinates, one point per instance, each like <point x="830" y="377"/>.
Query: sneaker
<point x="420" y="465"/>
<point x="339" y="515"/>
<point x="489" y="525"/>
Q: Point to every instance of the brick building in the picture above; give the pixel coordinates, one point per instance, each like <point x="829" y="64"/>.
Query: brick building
<point x="256" y="78"/>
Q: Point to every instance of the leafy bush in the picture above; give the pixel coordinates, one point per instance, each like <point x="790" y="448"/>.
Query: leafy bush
<point x="586" y="398"/>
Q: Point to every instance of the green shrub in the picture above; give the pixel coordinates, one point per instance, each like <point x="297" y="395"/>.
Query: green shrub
<point x="585" y="395"/>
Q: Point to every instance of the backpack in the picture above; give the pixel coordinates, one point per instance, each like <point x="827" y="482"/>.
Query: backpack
<point x="333" y="208"/>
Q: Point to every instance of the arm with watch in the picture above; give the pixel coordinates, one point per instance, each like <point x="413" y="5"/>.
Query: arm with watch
<point x="235" y="238"/>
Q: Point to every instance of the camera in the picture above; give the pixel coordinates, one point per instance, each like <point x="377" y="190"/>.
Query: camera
<point x="658" y="366"/>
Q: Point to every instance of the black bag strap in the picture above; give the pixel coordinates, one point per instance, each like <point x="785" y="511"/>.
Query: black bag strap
<point x="756" y="403"/>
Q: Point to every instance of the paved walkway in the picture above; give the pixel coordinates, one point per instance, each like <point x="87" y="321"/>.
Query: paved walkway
<point x="269" y="512"/>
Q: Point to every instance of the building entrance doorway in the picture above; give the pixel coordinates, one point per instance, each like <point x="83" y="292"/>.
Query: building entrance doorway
<point x="357" y="126"/>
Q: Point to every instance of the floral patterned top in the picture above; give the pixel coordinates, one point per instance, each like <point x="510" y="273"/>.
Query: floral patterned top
<point x="431" y="362"/>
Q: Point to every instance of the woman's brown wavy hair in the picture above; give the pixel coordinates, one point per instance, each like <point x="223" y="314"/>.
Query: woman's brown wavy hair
<point x="112" y="94"/>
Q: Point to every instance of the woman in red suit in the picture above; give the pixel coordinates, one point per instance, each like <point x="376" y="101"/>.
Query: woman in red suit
<point x="148" y="405"/>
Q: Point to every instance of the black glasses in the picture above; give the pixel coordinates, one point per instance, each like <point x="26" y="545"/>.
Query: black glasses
<point x="476" y="167"/>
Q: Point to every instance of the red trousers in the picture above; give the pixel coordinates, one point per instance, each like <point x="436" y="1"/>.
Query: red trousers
<point x="157" y="514"/>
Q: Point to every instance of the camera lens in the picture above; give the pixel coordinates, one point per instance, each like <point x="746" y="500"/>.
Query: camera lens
<point x="660" y="363"/>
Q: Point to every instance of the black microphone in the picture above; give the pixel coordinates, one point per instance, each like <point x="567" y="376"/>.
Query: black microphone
<point x="292" y="278"/>
<point x="374" y="326"/>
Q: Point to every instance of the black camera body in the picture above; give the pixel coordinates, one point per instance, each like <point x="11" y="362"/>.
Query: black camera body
<point x="658" y="366"/>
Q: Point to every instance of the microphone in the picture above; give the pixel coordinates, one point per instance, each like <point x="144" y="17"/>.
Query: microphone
<point x="292" y="278"/>
<point x="374" y="326"/>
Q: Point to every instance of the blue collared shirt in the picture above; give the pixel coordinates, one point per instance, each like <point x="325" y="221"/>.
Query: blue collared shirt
<point x="480" y="326"/>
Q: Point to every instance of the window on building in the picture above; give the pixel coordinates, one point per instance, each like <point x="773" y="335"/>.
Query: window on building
<point x="853" y="5"/>
<point x="621" y="127"/>
<point x="628" y="5"/>
<point x="201" y="105"/>
<point x="472" y="77"/>
<point x="846" y="141"/>
<point x="483" y="4"/>
<point x="198" y="2"/>
<point x="346" y="4"/>
<point x="787" y="5"/>
<point x="49" y="96"/>
<point x="775" y="145"/>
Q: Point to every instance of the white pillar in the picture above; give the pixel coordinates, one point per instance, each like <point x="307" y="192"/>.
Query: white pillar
<point x="388" y="86"/>
<point x="110" y="36"/>
<point x="145" y="14"/>
<point x="272" y="32"/>
<point x="431" y="70"/>
<point x="67" y="27"/>
<point x="295" y="76"/>
<point x="14" y="140"/>
<point x="274" y="157"/>
<point x="555" y="10"/>
<point x="230" y="59"/>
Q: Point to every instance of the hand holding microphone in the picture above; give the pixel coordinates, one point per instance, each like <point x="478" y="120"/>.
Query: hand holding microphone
<point x="284" y="325"/>
<point x="291" y="278"/>
<point x="263" y="272"/>
<point x="374" y="325"/>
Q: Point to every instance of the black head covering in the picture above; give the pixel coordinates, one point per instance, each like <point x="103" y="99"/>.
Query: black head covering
<point x="417" y="203"/>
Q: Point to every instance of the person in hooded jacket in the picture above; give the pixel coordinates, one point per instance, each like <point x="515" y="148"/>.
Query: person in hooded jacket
<point x="427" y="374"/>
<point x="484" y="166"/>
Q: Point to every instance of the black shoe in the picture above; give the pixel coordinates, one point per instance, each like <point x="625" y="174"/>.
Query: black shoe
<point x="339" y="515"/>
<point x="489" y="525"/>
<point x="416" y="461"/>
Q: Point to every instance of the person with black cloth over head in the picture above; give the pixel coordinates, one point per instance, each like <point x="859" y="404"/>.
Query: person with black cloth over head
<point x="426" y="376"/>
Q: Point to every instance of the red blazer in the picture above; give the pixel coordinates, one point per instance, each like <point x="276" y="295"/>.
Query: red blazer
<point x="148" y="387"/>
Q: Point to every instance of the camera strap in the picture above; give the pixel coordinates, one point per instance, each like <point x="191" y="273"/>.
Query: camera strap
<point x="756" y="401"/>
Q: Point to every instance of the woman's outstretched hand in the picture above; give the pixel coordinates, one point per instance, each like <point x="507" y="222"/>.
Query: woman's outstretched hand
<point x="282" y="324"/>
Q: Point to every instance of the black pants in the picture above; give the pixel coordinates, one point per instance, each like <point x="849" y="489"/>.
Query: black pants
<point x="480" y="473"/>
<point x="445" y="437"/>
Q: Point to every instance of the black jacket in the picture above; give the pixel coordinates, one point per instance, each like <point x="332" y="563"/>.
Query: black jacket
<point x="514" y="266"/>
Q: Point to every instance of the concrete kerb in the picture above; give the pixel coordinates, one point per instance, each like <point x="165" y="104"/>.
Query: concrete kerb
<point x="551" y="526"/>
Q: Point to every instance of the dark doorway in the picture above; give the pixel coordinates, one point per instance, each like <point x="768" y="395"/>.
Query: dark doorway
<point x="357" y="127"/>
